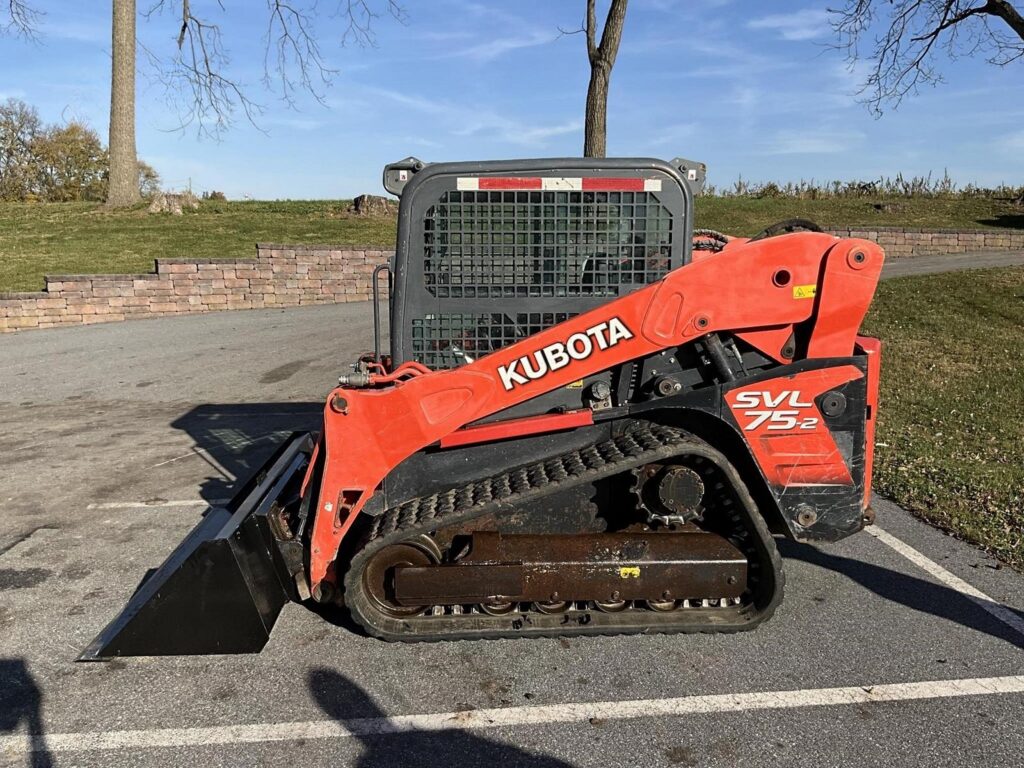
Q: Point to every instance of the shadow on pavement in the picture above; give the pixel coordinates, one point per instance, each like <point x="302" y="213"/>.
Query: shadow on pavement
<point x="235" y="439"/>
<point x="910" y="591"/>
<point x="21" y="705"/>
<point x="343" y="700"/>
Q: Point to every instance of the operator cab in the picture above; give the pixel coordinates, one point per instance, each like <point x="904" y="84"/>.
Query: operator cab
<point x="489" y="253"/>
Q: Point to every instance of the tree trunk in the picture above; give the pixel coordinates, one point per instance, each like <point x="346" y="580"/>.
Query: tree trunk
<point x="595" y="131"/>
<point x="602" y="58"/>
<point x="123" y="183"/>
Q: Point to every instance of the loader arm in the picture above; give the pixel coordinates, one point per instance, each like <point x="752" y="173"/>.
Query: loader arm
<point x="759" y="290"/>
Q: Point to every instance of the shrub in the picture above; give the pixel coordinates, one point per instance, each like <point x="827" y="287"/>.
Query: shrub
<point x="55" y="163"/>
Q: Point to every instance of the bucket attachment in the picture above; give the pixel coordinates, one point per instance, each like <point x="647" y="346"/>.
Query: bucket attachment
<point x="223" y="587"/>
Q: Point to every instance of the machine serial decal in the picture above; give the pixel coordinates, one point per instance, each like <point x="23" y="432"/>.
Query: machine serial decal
<point x="579" y="346"/>
<point x="767" y="408"/>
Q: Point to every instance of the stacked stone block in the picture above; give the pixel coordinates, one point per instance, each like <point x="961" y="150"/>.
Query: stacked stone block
<point x="298" y="275"/>
<point x="279" y="276"/>
<point x="910" y="241"/>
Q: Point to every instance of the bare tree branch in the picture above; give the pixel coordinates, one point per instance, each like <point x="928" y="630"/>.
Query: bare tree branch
<point x="911" y="32"/>
<point x="360" y="17"/>
<point x="197" y="75"/>
<point x="948" y="21"/>
<point x="22" y="19"/>
<point x="197" y="78"/>
<point x="564" y="32"/>
<point x="194" y="76"/>
<point x="293" y="53"/>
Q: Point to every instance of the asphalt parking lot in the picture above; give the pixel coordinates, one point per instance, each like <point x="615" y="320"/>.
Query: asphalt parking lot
<point x="899" y="646"/>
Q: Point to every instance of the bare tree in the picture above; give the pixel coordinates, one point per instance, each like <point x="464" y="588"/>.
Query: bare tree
<point x="197" y="75"/>
<point x="21" y="18"/>
<point x="602" y="58"/>
<point x="912" y="33"/>
<point x="198" y="78"/>
<point x="123" y="184"/>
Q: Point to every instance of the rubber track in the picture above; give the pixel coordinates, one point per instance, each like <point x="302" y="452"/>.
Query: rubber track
<point x="648" y="443"/>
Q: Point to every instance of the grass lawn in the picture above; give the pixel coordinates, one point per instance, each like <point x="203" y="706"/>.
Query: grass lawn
<point x="41" y="239"/>
<point x="46" y="239"/>
<point x="747" y="215"/>
<point x="951" y="436"/>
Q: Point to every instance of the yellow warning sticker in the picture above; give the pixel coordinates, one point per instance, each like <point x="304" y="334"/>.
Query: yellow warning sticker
<point x="629" y="572"/>
<point x="804" y="291"/>
<point x="578" y="384"/>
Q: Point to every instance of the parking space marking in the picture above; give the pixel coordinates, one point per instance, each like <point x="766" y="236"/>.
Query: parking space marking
<point x="190" y="454"/>
<point x="158" y="504"/>
<point x="254" y="733"/>
<point x="230" y="441"/>
<point x="951" y="580"/>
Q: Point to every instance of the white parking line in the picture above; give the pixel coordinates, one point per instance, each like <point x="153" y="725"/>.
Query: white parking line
<point x="253" y="733"/>
<point x="940" y="574"/>
<point x="157" y="504"/>
<point x="195" y="452"/>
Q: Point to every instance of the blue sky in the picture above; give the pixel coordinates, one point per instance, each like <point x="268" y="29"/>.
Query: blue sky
<point x="750" y="88"/>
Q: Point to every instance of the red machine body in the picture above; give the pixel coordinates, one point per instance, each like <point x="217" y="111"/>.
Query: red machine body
<point x="598" y="420"/>
<point x="367" y="433"/>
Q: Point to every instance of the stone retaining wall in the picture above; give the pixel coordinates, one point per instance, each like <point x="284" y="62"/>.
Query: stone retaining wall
<point x="292" y="275"/>
<point x="910" y="241"/>
<point x="279" y="276"/>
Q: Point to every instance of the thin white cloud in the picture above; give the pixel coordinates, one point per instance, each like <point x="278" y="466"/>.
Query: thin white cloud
<point x="297" y="123"/>
<point x="538" y="134"/>
<point x="1013" y="141"/>
<point x="692" y="7"/>
<point x="78" y="31"/>
<point x="820" y="142"/>
<point x="493" y="49"/>
<point x="466" y="120"/>
<point x="492" y="13"/>
<point x="496" y="32"/>
<point x="728" y="60"/>
<point x="418" y="141"/>
<point x="475" y="123"/>
<point x="807" y="24"/>
<point x="745" y="97"/>
<point x="674" y="135"/>
<point x="420" y="104"/>
<point x="441" y="36"/>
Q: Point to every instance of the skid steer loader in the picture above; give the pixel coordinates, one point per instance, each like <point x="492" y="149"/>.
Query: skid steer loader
<point x="592" y="420"/>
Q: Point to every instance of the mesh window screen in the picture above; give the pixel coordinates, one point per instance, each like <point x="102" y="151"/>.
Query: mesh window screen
<point x="451" y="340"/>
<point x="504" y="244"/>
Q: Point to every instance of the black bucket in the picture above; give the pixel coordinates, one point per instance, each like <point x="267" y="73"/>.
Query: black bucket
<point x="223" y="587"/>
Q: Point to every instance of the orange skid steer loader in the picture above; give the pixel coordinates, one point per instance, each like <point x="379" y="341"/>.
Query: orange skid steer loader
<point x="592" y="420"/>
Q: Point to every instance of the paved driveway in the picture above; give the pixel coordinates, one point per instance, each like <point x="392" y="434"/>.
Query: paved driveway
<point x="895" y="647"/>
<point x="949" y="262"/>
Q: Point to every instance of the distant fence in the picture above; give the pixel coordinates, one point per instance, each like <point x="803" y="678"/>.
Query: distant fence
<point x="298" y="275"/>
